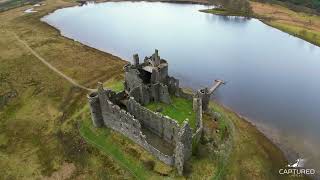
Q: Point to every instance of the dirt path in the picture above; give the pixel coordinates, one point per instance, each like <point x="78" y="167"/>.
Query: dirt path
<point x="52" y="67"/>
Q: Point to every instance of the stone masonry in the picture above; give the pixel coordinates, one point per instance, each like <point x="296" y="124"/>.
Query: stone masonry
<point x="124" y="111"/>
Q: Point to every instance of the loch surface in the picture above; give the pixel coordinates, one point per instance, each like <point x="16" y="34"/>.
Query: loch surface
<point x="272" y="78"/>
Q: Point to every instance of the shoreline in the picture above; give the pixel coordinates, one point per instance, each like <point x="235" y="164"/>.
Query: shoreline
<point x="262" y="129"/>
<point x="200" y="2"/>
<point x="294" y="30"/>
<point x="117" y="57"/>
<point x="243" y="118"/>
<point x="268" y="23"/>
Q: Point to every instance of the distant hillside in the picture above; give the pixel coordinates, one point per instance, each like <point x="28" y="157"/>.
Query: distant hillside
<point x="9" y="4"/>
<point x="311" y="6"/>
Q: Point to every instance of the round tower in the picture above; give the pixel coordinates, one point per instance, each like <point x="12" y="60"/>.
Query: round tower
<point x="95" y="109"/>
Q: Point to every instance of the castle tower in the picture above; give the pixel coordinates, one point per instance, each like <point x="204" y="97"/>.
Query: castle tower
<point x="205" y="94"/>
<point x="197" y="108"/>
<point x="156" y="58"/>
<point x="135" y="59"/>
<point x="183" y="149"/>
<point x="155" y="76"/>
<point x="95" y="109"/>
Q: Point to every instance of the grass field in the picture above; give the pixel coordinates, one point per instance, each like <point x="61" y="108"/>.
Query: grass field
<point x="38" y="138"/>
<point x="115" y="85"/>
<point x="180" y="109"/>
<point x="41" y="115"/>
<point x="10" y="4"/>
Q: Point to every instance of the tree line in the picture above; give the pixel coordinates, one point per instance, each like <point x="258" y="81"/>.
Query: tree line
<point x="234" y="6"/>
<point x="309" y="6"/>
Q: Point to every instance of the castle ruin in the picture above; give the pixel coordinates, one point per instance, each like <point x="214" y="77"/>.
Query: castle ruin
<point x="125" y="113"/>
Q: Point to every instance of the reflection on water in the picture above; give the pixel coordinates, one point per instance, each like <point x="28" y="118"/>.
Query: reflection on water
<point x="272" y="78"/>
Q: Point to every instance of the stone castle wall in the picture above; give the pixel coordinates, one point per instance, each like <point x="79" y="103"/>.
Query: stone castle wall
<point x="123" y="122"/>
<point x="163" y="126"/>
<point x="196" y="137"/>
<point x="185" y="95"/>
<point x="155" y="92"/>
<point x="95" y="109"/>
<point x="125" y="113"/>
<point x="106" y="112"/>
<point x="173" y="85"/>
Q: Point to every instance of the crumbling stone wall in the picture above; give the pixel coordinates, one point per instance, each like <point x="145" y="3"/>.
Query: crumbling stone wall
<point x="95" y="109"/>
<point x="164" y="95"/>
<point x="205" y="97"/>
<point x="196" y="137"/>
<point x="163" y="71"/>
<point x="132" y="78"/>
<point x="152" y="78"/>
<point x="154" y="88"/>
<point x="141" y="94"/>
<point x="163" y="126"/>
<point x="183" y="149"/>
<point x="167" y="159"/>
<point x="197" y="108"/>
<point x="121" y="121"/>
<point x="185" y="95"/>
<point x="124" y="112"/>
<point x="169" y="130"/>
<point x="173" y="85"/>
<point x="105" y="111"/>
<point x="155" y="92"/>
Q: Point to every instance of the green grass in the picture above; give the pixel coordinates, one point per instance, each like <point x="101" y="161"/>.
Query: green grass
<point x="180" y="109"/>
<point x="36" y="135"/>
<point x="222" y="12"/>
<point x="100" y="138"/>
<point x="252" y="155"/>
<point x="115" y="85"/>
<point x="303" y="33"/>
<point x="10" y="4"/>
<point x="223" y="156"/>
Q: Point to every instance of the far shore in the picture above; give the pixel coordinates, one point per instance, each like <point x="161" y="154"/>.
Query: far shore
<point x="298" y="24"/>
<point x="250" y="143"/>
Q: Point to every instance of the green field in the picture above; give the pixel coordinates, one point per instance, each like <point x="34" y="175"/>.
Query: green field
<point x="303" y="33"/>
<point x="10" y="4"/>
<point x="180" y="109"/>
<point x="38" y="137"/>
<point x="115" y="85"/>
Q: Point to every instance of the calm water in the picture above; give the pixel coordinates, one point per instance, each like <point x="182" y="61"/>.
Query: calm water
<point x="273" y="79"/>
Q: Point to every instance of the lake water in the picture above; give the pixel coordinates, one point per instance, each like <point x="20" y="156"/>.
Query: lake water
<point x="272" y="78"/>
